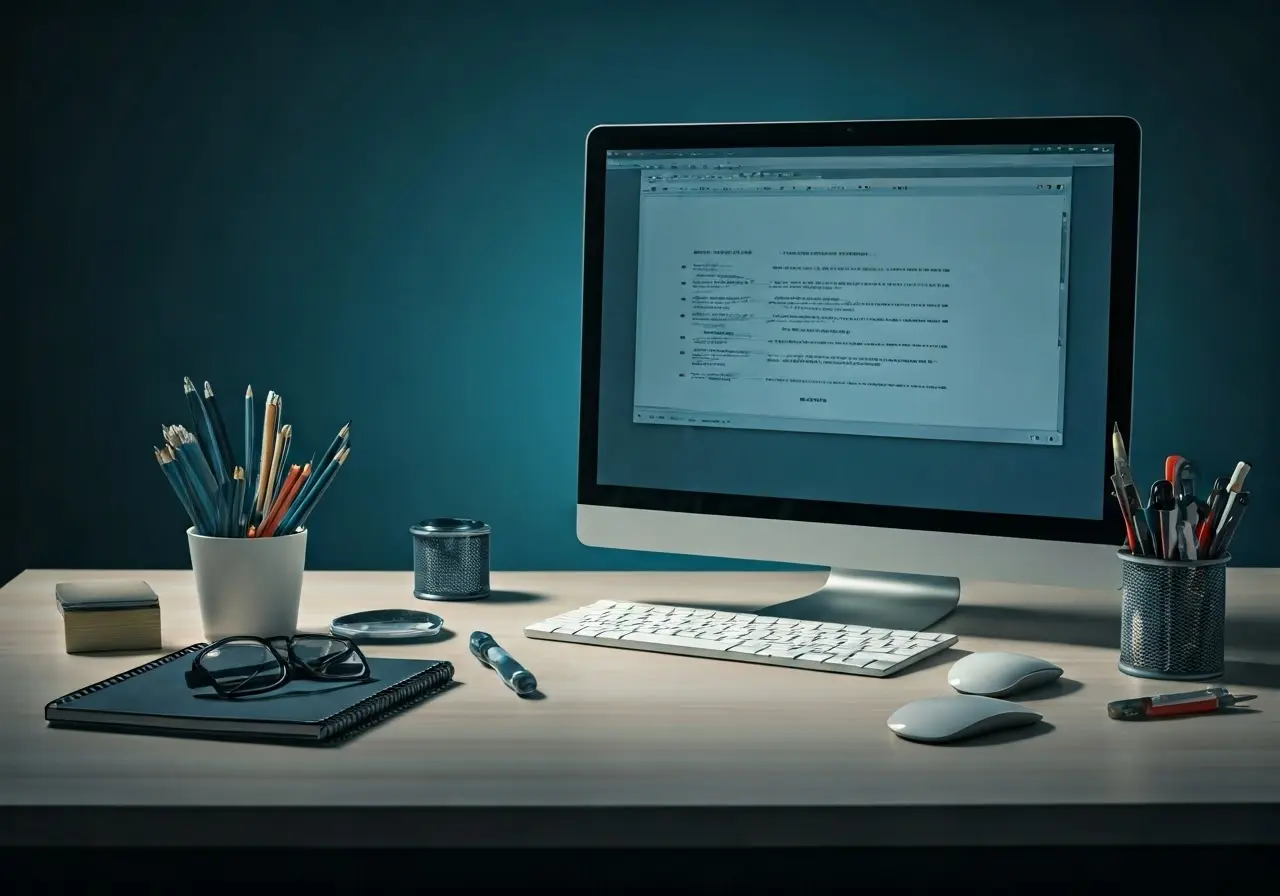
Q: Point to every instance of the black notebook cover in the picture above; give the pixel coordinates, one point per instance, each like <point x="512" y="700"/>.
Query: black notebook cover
<point x="154" y="699"/>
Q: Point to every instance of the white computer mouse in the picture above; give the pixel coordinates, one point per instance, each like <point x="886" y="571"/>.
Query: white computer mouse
<point x="939" y="720"/>
<point x="1000" y="674"/>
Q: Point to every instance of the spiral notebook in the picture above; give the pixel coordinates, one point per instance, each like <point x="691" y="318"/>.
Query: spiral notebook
<point x="154" y="699"/>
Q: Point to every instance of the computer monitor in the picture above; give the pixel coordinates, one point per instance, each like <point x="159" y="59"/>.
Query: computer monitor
<point x="896" y="349"/>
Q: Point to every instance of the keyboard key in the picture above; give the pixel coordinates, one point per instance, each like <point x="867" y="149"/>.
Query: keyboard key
<point x="873" y="657"/>
<point x="751" y="647"/>
<point x="854" y="661"/>
<point x="778" y="650"/>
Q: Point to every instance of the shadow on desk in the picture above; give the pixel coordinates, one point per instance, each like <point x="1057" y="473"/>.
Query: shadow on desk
<point x="513" y="597"/>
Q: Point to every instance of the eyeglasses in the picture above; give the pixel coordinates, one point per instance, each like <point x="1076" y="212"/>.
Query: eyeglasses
<point x="242" y="666"/>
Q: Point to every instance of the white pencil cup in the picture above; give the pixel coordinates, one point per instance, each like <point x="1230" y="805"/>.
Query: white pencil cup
<point x="248" y="586"/>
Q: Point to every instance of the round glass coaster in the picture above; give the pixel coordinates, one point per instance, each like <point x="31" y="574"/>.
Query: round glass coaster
<point x="387" y="625"/>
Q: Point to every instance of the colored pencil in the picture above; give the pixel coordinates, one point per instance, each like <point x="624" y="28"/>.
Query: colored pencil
<point x="269" y="412"/>
<point x="298" y="521"/>
<point x="288" y="492"/>
<point x="273" y="476"/>
<point x="235" y="527"/>
<point x="220" y="431"/>
<point x="286" y="434"/>
<point x="340" y="441"/>
<point x="204" y="431"/>
<point x="164" y="457"/>
<point x="291" y="499"/>
<point x="246" y="499"/>
<point x="197" y="484"/>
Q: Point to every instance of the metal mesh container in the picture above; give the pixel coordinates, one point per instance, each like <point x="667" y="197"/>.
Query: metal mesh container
<point x="1173" y="617"/>
<point x="450" y="559"/>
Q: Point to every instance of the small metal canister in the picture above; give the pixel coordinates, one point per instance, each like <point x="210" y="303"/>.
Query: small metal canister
<point x="450" y="559"/>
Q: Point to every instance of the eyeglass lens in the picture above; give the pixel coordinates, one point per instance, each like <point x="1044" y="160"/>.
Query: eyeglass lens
<point x="243" y="666"/>
<point x="328" y="657"/>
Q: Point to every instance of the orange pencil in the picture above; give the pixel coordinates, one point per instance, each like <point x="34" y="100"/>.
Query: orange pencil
<point x="289" y="490"/>
<point x="269" y="512"/>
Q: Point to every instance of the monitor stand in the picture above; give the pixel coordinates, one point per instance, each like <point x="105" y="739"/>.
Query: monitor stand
<point x="901" y="601"/>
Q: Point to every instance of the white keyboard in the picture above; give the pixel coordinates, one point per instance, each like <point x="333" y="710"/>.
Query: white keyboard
<point x="746" y="637"/>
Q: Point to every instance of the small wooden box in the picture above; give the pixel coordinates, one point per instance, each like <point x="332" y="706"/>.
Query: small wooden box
<point x="108" y="614"/>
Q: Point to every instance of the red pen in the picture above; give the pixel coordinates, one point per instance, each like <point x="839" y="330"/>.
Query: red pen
<point x="1208" y="700"/>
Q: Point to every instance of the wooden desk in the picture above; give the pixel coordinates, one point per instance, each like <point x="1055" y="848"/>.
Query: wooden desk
<point x="630" y="748"/>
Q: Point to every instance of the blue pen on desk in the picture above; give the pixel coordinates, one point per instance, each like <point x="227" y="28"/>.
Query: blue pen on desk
<point x="513" y="675"/>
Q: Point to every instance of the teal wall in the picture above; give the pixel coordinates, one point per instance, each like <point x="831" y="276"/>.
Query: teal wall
<point x="375" y="209"/>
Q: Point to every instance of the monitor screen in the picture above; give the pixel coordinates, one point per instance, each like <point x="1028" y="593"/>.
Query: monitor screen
<point x="898" y="326"/>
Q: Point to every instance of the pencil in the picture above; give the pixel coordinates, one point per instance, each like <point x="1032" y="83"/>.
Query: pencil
<point x="164" y="457"/>
<point x="293" y="482"/>
<point x="225" y="493"/>
<point x="268" y="449"/>
<point x="235" y="526"/>
<point x="286" y="433"/>
<point x="335" y="446"/>
<point x="207" y="439"/>
<point x="220" y="431"/>
<point x="340" y="441"/>
<point x="246" y="500"/>
<point x="274" y="508"/>
<point x="189" y="446"/>
<point x="273" y="476"/>
<point x="197" y="485"/>
<point x="296" y="521"/>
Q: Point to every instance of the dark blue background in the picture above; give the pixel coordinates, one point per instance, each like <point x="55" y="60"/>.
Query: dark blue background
<point x="375" y="209"/>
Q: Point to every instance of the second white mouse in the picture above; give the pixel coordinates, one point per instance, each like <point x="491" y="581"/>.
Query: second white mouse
<point x="938" y="720"/>
<point x="1000" y="674"/>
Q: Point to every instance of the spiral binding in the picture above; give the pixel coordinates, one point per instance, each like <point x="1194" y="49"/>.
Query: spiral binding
<point x="124" y="676"/>
<point x="389" y="701"/>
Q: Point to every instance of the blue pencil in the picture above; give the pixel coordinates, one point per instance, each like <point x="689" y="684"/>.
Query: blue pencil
<point x="318" y="471"/>
<point x="297" y="518"/>
<point x="199" y="477"/>
<point x="250" y="461"/>
<point x="164" y="457"/>
<point x="199" y="460"/>
<point x="195" y="490"/>
<point x="226" y="493"/>
<point x="207" y="439"/>
<point x="221" y="438"/>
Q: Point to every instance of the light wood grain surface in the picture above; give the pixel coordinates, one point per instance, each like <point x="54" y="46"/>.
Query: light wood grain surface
<point x="718" y="751"/>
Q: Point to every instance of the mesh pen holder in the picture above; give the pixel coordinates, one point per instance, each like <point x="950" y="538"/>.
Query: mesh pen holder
<point x="450" y="559"/>
<point x="1173" y="617"/>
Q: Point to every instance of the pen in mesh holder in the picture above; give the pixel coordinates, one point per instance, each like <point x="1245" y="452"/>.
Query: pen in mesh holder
<point x="450" y="559"/>
<point x="1173" y="617"/>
